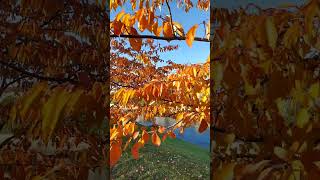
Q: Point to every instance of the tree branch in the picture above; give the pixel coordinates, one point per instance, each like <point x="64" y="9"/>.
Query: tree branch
<point x="12" y="82"/>
<point x="173" y="33"/>
<point x="45" y="78"/>
<point x="159" y="37"/>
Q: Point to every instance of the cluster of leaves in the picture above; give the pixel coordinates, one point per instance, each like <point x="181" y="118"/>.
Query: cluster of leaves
<point x="143" y="89"/>
<point x="54" y="55"/>
<point x="266" y="93"/>
<point x="139" y="88"/>
<point x="144" y="17"/>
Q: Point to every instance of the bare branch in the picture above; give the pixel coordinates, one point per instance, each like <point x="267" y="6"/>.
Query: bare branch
<point x="37" y="76"/>
<point x="159" y="37"/>
<point x="173" y="33"/>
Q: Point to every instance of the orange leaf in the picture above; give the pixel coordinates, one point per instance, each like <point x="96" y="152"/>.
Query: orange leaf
<point x="115" y="154"/>
<point x="156" y="139"/>
<point x="143" y="23"/>
<point x="145" y="136"/>
<point x="151" y="17"/>
<point x="135" y="150"/>
<point x="135" y="135"/>
<point x="161" y="129"/>
<point x="203" y="126"/>
<point x="164" y="137"/>
<point x="135" y="42"/>
<point x="155" y="28"/>
<point x="190" y="35"/>
<point x="167" y="29"/>
<point x="139" y="14"/>
<point x="117" y="27"/>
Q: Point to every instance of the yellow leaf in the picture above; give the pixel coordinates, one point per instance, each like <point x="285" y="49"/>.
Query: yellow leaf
<point x="72" y="104"/>
<point x="190" y="35"/>
<point x="52" y="110"/>
<point x="128" y="20"/>
<point x="303" y="147"/>
<point x="217" y="75"/>
<point x="226" y="172"/>
<point x="314" y="90"/>
<point x="281" y="153"/>
<point x="119" y="15"/>
<point x="272" y="34"/>
<point x="229" y="138"/>
<point x="292" y="35"/>
<point x="302" y="118"/>
<point x="179" y="116"/>
<point x="297" y="167"/>
<point x="179" y="29"/>
<point x="33" y="94"/>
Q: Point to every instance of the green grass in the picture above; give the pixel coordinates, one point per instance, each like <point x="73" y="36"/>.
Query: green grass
<point x="174" y="159"/>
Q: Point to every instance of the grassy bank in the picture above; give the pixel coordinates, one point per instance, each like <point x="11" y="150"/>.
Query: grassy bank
<point x="174" y="159"/>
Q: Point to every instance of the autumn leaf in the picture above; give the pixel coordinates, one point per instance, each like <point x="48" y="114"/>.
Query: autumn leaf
<point x="315" y="90"/>
<point x="161" y="129"/>
<point x="164" y="137"/>
<point x="226" y="172"/>
<point x="281" y="153"/>
<point x="143" y="23"/>
<point x="156" y="139"/>
<point x="135" y="150"/>
<point x="179" y="116"/>
<point x="302" y="118"/>
<point x="190" y="35"/>
<point x="145" y="136"/>
<point x="167" y="29"/>
<point x="229" y="138"/>
<point x="179" y="29"/>
<point x="34" y="94"/>
<point x="119" y="15"/>
<point x="115" y="154"/>
<point x="117" y="27"/>
<point x="272" y="34"/>
<point x="135" y="134"/>
<point x="52" y="111"/>
<point x="135" y="43"/>
<point x="203" y="126"/>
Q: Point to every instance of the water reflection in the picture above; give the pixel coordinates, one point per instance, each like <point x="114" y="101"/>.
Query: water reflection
<point x="190" y="134"/>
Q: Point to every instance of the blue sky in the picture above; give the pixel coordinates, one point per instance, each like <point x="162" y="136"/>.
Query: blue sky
<point x="199" y="51"/>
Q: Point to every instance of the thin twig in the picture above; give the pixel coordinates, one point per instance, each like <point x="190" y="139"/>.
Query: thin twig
<point x="173" y="33"/>
<point x="45" y="78"/>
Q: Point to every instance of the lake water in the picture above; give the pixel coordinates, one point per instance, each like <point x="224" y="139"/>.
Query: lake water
<point x="190" y="135"/>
